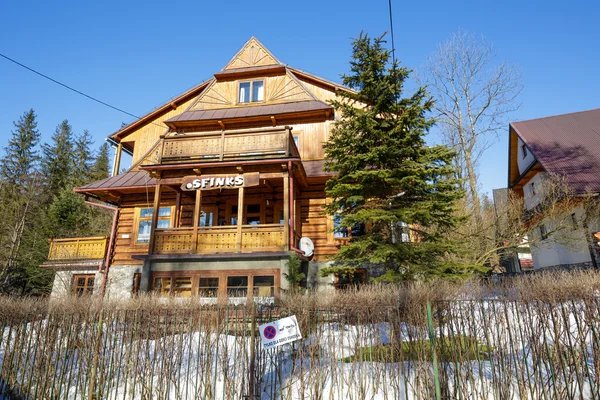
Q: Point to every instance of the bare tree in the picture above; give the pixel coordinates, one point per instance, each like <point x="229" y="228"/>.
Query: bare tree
<point x="474" y="94"/>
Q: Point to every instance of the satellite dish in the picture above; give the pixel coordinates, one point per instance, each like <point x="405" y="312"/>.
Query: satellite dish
<point x="307" y="246"/>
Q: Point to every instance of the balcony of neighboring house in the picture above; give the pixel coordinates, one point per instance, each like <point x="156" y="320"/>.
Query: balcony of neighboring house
<point x="77" y="252"/>
<point x="241" y="145"/>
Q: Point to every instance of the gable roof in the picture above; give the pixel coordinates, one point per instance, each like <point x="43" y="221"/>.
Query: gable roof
<point x="567" y="144"/>
<point x="252" y="59"/>
<point x="252" y="54"/>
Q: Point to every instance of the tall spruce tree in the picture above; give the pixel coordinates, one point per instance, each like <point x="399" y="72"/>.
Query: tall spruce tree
<point x="58" y="160"/>
<point x="100" y="168"/>
<point x="387" y="179"/>
<point x="82" y="159"/>
<point x="19" y="211"/>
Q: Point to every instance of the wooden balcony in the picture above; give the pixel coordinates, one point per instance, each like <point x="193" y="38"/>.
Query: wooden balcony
<point x="220" y="239"/>
<point x="92" y="248"/>
<point x="236" y="145"/>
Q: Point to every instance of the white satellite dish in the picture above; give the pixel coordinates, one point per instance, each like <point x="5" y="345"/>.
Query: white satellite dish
<point x="307" y="246"/>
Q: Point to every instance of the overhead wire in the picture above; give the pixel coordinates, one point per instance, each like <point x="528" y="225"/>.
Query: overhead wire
<point x="73" y="89"/>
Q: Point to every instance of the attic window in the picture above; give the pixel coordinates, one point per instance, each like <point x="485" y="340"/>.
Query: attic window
<point x="524" y="148"/>
<point x="253" y="91"/>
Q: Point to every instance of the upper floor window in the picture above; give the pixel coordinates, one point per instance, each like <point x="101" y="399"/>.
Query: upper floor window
<point x="524" y="148"/>
<point x="145" y="222"/>
<point x="252" y="91"/>
<point x="533" y="188"/>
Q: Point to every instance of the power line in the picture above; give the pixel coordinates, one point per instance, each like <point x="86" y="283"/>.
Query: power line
<point x="73" y="89"/>
<point x="392" y="33"/>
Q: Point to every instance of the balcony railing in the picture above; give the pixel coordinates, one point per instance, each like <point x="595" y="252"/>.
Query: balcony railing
<point x="92" y="248"/>
<point x="228" y="146"/>
<point x="219" y="239"/>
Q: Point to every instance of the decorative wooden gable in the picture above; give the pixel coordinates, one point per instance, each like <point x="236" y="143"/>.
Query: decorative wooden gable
<point x="253" y="54"/>
<point x="280" y="86"/>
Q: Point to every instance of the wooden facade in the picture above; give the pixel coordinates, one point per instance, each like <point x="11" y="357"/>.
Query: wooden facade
<point x="236" y="172"/>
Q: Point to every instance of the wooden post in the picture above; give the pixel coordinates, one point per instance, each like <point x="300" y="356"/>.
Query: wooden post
<point x="286" y="211"/>
<point x="197" y="211"/>
<point x="292" y="211"/>
<point x="154" y="217"/>
<point x="177" y="209"/>
<point x="240" y="218"/>
<point x="221" y="156"/>
<point x="117" y="164"/>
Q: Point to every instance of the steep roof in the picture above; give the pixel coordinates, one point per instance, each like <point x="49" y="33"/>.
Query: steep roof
<point x="567" y="144"/>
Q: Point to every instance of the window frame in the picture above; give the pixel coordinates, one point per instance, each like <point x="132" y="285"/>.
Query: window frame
<point x="524" y="151"/>
<point x="138" y="218"/>
<point x="543" y="232"/>
<point x="251" y="82"/>
<point x="86" y="285"/>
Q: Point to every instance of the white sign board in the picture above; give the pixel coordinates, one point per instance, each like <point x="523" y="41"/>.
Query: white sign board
<point x="282" y="331"/>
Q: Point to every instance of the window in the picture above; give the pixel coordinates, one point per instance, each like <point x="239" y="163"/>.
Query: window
<point x="145" y="222"/>
<point x="404" y="232"/>
<point x="252" y="91"/>
<point x="182" y="286"/>
<point x="208" y="217"/>
<point x="83" y="284"/>
<point x="237" y="286"/>
<point x="351" y="279"/>
<point x="263" y="286"/>
<point x="524" y="148"/>
<point x="339" y="231"/>
<point x="162" y="286"/>
<point x="533" y="188"/>
<point x="253" y="214"/>
<point x="574" y="223"/>
<point x="208" y="287"/>
<point x="543" y="232"/>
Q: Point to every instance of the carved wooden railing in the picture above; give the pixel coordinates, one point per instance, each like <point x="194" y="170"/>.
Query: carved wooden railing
<point x="91" y="248"/>
<point x="228" y="146"/>
<point x="219" y="239"/>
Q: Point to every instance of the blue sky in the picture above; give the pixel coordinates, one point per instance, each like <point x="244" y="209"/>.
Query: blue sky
<point x="137" y="55"/>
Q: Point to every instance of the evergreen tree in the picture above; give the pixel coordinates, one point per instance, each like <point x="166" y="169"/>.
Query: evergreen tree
<point x="82" y="159"/>
<point x="58" y="159"/>
<point x="20" y="210"/>
<point x="101" y="166"/>
<point x="21" y="156"/>
<point x="387" y="179"/>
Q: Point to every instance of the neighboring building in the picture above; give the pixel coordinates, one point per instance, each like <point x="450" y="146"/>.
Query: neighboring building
<point x="566" y="145"/>
<point x="225" y="181"/>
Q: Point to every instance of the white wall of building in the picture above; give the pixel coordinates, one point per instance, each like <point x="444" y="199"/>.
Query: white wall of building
<point x="566" y="244"/>
<point x="524" y="161"/>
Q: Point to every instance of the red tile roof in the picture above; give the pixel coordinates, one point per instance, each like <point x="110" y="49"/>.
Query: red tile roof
<point x="567" y="144"/>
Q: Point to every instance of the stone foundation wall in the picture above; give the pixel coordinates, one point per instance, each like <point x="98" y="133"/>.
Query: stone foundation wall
<point x="63" y="282"/>
<point x="120" y="281"/>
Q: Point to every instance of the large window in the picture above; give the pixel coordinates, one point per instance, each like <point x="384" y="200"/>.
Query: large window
<point x="251" y="92"/>
<point x="212" y="284"/>
<point x="237" y="286"/>
<point x="208" y="287"/>
<point x="351" y="279"/>
<point x="263" y="286"/>
<point x="339" y="231"/>
<point x="83" y="284"/>
<point x="145" y="222"/>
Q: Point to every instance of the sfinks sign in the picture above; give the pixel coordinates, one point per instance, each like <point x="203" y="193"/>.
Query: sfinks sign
<point x="208" y="182"/>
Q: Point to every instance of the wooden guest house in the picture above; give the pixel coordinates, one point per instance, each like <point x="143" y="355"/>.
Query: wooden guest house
<point x="225" y="181"/>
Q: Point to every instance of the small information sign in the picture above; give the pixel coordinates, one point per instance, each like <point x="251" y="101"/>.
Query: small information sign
<point x="282" y="331"/>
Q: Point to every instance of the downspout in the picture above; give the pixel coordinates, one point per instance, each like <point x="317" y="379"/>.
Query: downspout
<point x="292" y="212"/>
<point x="105" y="266"/>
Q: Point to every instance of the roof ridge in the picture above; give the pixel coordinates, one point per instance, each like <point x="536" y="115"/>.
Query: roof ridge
<point x="555" y="116"/>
